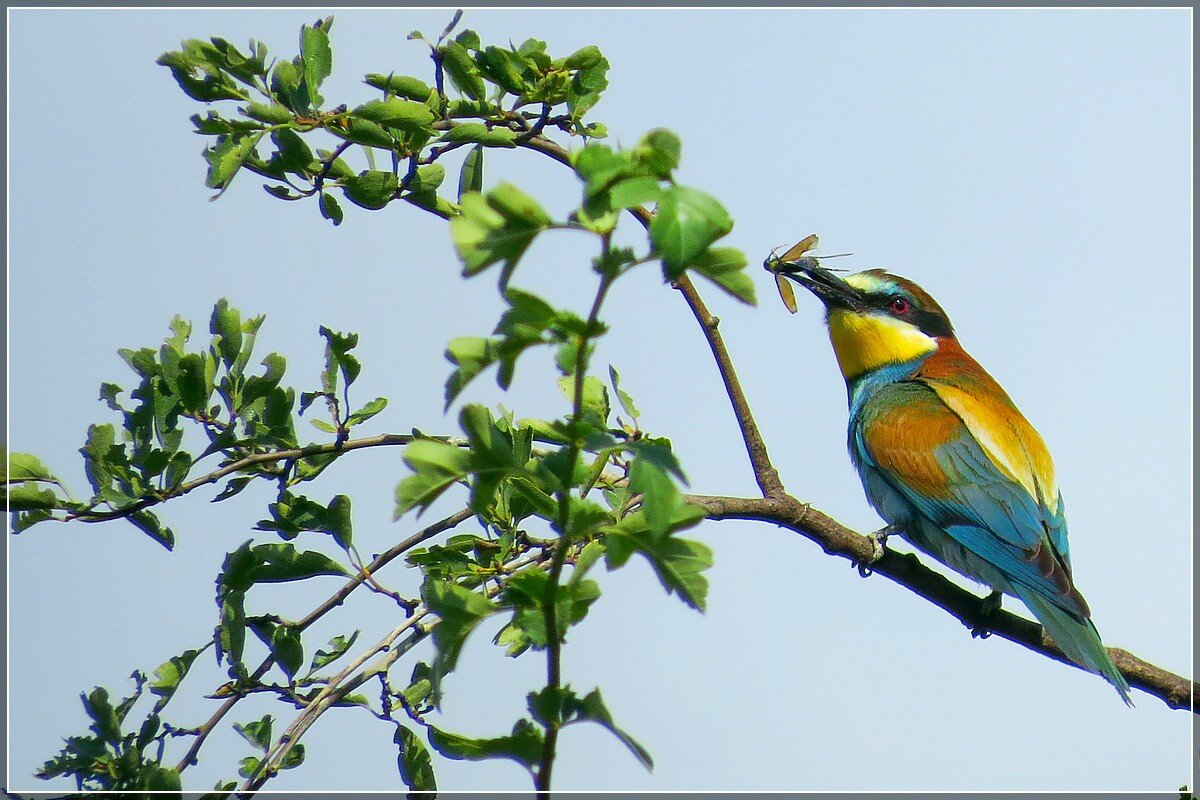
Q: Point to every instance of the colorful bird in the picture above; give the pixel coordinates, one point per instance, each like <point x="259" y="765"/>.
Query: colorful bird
<point x="946" y="458"/>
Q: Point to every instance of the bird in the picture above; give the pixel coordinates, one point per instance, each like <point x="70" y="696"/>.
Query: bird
<point x="946" y="458"/>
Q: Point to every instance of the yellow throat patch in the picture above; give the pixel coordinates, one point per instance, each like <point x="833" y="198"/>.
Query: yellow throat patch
<point x="864" y="342"/>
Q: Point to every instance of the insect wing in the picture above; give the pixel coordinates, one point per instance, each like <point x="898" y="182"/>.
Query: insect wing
<point x="800" y="248"/>
<point x="786" y="294"/>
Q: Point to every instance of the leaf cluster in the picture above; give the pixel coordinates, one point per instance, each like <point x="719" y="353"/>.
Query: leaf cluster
<point x="548" y="499"/>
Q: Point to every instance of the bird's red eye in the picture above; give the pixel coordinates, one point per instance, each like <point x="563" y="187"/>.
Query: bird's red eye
<point x="899" y="305"/>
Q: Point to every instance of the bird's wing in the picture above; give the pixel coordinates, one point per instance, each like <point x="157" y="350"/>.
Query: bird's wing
<point x="945" y="466"/>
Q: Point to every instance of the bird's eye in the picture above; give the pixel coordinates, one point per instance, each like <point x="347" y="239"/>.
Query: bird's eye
<point x="899" y="305"/>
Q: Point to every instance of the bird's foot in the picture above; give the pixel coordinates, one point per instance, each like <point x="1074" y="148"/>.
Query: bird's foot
<point x="878" y="541"/>
<point x="988" y="607"/>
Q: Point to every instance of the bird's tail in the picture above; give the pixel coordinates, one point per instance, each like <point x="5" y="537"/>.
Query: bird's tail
<point x="1077" y="638"/>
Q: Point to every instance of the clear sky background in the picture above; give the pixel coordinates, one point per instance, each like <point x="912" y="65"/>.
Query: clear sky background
<point x="1031" y="169"/>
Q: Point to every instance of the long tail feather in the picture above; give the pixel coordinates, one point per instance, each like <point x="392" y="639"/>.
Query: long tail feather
<point x="1077" y="638"/>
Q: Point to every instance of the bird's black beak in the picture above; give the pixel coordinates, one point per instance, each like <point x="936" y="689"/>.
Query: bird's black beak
<point x="832" y="290"/>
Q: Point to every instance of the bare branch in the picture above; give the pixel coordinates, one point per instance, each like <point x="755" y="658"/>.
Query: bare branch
<point x="907" y="570"/>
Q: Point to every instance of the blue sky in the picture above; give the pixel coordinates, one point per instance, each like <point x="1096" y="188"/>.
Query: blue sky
<point x="1031" y="169"/>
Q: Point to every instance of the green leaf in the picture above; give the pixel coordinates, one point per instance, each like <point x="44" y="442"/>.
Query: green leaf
<point x="636" y="191"/>
<point x="401" y="85"/>
<point x="287" y="650"/>
<point x="257" y="733"/>
<point x="226" y="322"/>
<point x="584" y="58"/>
<point x="480" y="133"/>
<point x="157" y="778"/>
<point x="506" y="69"/>
<point x="199" y="81"/>
<point x="294" y="153"/>
<point x="517" y="207"/>
<point x="226" y="157"/>
<point x="406" y="115"/>
<point x="104" y="716"/>
<point x="31" y="497"/>
<point x="587" y="84"/>
<point x="523" y="745"/>
<point x="231" y="626"/>
<point x="592" y="709"/>
<point x="600" y="167"/>
<point x="366" y="412"/>
<point x="273" y="114"/>
<point x="272" y="563"/>
<point x="337" y="647"/>
<point x="295" y="756"/>
<point x="588" y="556"/>
<point x="193" y="383"/>
<point x="318" y="60"/>
<point x="463" y="72"/>
<point x="660" y="496"/>
<point x="677" y="562"/>
<point x="657" y="451"/>
<point x="595" y="402"/>
<point x="460" y="611"/>
<point x="470" y="355"/>
<point x="365" y="132"/>
<point x="232" y="487"/>
<point x="433" y="203"/>
<point x="168" y="676"/>
<point x="659" y="152"/>
<point x="686" y="223"/>
<point x="498" y="228"/>
<point x="470" y="179"/>
<point x="414" y="762"/>
<point x="338" y="358"/>
<point x="427" y="178"/>
<point x="285" y="86"/>
<point x="330" y="209"/>
<point x="27" y="467"/>
<point x="149" y="524"/>
<point x="281" y="562"/>
<point x="372" y="190"/>
<point x="624" y="399"/>
<point x="436" y="467"/>
<point x="420" y="685"/>
<point x="338" y="522"/>
<point x="726" y="267"/>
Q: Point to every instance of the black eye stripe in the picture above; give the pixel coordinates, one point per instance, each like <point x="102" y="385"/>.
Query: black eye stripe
<point x="929" y="322"/>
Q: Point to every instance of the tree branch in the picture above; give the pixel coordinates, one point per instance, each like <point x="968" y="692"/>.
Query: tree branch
<point x="907" y="570"/>
<point x="382" y="440"/>
<point x="764" y="472"/>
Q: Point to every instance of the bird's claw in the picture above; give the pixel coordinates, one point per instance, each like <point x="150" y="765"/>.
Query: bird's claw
<point x="988" y="607"/>
<point x="878" y="541"/>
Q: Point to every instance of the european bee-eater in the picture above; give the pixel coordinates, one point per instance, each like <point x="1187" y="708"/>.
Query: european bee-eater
<point x="946" y="458"/>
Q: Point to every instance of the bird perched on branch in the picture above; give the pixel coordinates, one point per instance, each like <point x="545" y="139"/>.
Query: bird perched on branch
<point x="944" y="455"/>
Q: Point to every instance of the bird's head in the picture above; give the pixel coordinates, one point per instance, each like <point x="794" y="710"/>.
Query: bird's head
<point x="876" y="319"/>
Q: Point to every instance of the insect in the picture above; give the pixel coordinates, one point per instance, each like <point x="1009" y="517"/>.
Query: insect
<point x="793" y="257"/>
